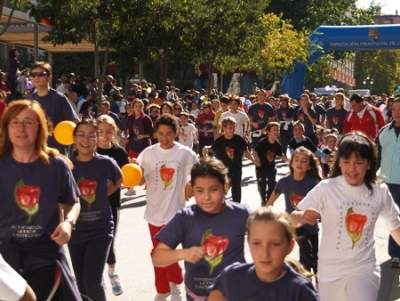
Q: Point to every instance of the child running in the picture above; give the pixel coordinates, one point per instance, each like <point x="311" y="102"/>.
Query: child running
<point x="108" y="146"/>
<point x="230" y="148"/>
<point x="270" y="238"/>
<point x="211" y="231"/>
<point x="97" y="177"/>
<point x="349" y="203"/>
<point x="304" y="176"/>
<point x="264" y="154"/>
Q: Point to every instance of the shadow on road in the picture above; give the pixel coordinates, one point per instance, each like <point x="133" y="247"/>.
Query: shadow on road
<point x="247" y="181"/>
<point x="133" y="205"/>
<point x="389" y="289"/>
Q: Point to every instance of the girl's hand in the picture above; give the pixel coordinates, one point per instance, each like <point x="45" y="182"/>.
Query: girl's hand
<point x="193" y="254"/>
<point x="305" y="109"/>
<point x="310" y="216"/>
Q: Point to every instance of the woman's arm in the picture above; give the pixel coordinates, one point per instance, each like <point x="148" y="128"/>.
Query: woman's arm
<point x="62" y="233"/>
<point x="216" y="295"/>
<point x="164" y="256"/>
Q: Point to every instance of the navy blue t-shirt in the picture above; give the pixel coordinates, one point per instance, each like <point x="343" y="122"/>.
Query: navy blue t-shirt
<point x="30" y="194"/>
<point x="294" y="191"/>
<point x="239" y="282"/>
<point x="221" y="236"/>
<point x="95" y="219"/>
<point x="260" y="113"/>
<point x="336" y="118"/>
<point x="308" y="126"/>
<point x="57" y="108"/>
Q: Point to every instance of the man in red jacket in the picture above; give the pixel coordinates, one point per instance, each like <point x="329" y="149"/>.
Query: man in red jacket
<point x="363" y="117"/>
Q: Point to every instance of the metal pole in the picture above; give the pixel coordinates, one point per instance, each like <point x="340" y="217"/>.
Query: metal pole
<point x="36" y="42"/>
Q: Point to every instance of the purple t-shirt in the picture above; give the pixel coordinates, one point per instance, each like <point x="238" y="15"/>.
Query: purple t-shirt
<point x="294" y="191"/>
<point x="30" y="194"/>
<point x="287" y="112"/>
<point x="221" y="236"/>
<point x="238" y="282"/>
<point x="57" y="108"/>
<point x="135" y="144"/>
<point x="95" y="219"/>
<point x="260" y="113"/>
<point x="336" y="118"/>
<point x="308" y="126"/>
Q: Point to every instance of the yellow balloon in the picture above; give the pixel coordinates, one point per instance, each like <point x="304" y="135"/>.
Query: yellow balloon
<point x="64" y="132"/>
<point x="132" y="174"/>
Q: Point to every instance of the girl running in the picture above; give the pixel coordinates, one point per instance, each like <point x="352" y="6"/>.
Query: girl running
<point x="304" y="176"/>
<point x="108" y="146"/>
<point x="270" y="238"/>
<point x="97" y="177"/>
<point x="349" y="203"/>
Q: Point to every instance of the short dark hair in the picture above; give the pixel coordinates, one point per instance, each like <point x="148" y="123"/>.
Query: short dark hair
<point x="211" y="168"/>
<point x="356" y="97"/>
<point x="169" y="120"/>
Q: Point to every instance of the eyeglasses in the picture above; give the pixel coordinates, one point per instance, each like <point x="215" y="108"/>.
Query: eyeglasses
<point x="39" y="74"/>
<point x="178" y="109"/>
<point x="25" y="123"/>
<point x="83" y="136"/>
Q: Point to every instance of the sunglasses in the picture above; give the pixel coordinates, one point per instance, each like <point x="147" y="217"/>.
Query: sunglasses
<point x="178" y="109"/>
<point x="39" y="74"/>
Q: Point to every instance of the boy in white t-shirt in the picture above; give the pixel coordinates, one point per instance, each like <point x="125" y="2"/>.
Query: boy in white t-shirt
<point x="166" y="170"/>
<point x="188" y="133"/>
<point x="240" y="116"/>
<point x="12" y="286"/>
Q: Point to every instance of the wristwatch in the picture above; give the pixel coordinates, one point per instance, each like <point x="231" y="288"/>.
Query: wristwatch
<point x="71" y="222"/>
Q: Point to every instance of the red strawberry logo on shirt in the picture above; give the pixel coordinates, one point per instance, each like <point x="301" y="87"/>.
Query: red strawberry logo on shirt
<point x="270" y="156"/>
<point x="355" y="225"/>
<point x="283" y="114"/>
<point x="230" y="152"/>
<point x="301" y="117"/>
<point x="295" y="199"/>
<point x="214" y="248"/>
<point x="27" y="198"/>
<point x="166" y="174"/>
<point x="136" y="130"/>
<point x="260" y="114"/>
<point x="87" y="189"/>
<point x="335" y="119"/>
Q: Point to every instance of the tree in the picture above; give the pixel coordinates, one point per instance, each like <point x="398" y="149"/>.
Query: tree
<point x="78" y="20"/>
<point x="16" y="4"/>
<point x="269" y="48"/>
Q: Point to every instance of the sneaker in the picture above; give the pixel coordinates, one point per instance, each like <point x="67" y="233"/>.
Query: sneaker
<point x="161" y="297"/>
<point x="131" y="191"/>
<point x="116" y="284"/>
<point x="395" y="262"/>
<point x="175" y="292"/>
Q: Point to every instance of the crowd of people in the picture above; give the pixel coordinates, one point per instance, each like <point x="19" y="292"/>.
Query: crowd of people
<point x="192" y="144"/>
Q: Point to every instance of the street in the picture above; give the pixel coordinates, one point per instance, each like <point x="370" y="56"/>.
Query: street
<point x="134" y="245"/>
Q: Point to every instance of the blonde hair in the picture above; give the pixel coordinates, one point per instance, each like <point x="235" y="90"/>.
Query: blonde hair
<point x="105" y="119"/>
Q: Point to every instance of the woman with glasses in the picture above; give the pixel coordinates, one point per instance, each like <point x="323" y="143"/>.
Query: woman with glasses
<point x="37" y="188"/>
<point x="97" y="177"/>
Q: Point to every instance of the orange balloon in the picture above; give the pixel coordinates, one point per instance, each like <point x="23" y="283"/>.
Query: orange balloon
<point x="132" y="174"/>
<point x="64" y="132"/>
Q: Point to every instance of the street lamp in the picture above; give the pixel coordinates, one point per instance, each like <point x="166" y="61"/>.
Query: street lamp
<point x="368" y="82"/>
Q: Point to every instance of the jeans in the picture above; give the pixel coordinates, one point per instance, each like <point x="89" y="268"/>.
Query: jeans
<point x="264" y="178"/>
<point x="88" y="260"/>
<point x="235" y="178"/>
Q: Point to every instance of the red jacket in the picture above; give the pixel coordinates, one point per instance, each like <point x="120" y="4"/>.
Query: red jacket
<point x="370" y="124"/>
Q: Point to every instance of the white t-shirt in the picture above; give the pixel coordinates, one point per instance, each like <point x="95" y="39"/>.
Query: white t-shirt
<point x="240" y="117"/>
<point x="166" y="172"/>
<point x="187" y="135"/>
<point x="12" y="285"/>
<point x="348" y="215"/>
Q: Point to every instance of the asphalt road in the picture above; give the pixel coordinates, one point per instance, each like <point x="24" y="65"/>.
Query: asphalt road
<point x="134" y="245"/>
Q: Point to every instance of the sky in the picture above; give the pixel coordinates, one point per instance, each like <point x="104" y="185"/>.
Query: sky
<point x="388" y="6"/>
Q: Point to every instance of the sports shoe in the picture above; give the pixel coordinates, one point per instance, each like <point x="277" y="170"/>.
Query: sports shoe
<point x="395" y="262"/>
<point x="116" y="284"/>
<point x="131" y="191"/>
<point x="161" y="297"/>
<point x="175" y="292"/>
